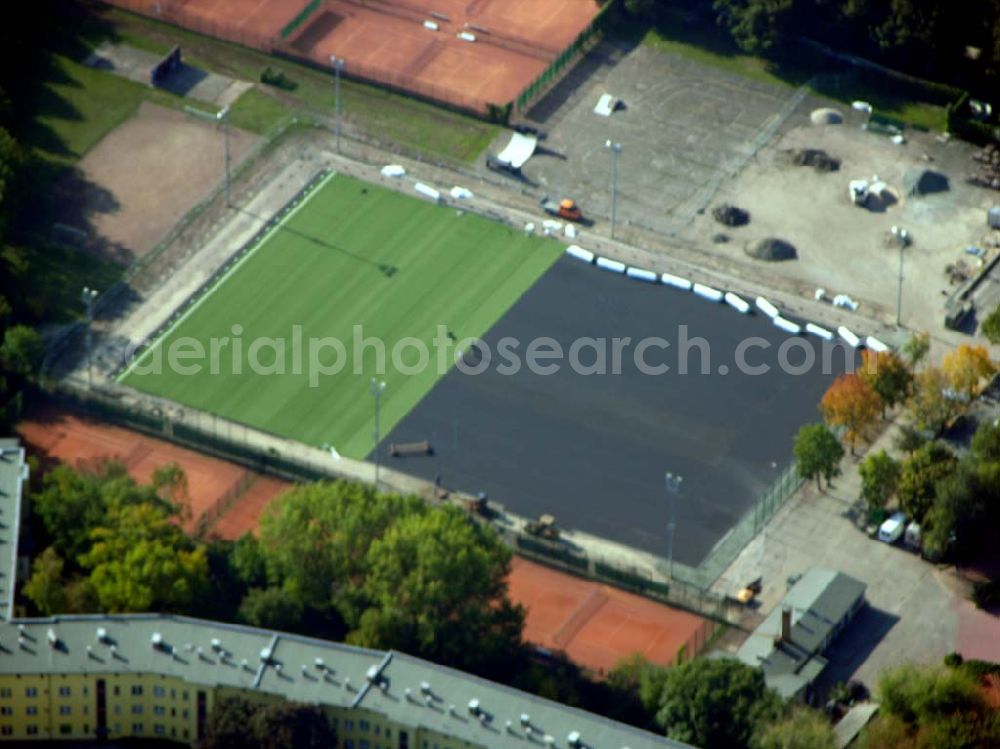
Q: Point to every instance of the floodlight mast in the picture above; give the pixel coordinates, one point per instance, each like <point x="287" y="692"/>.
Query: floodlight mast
<point x="377" y="388"/>
<point x="673" y="484"/>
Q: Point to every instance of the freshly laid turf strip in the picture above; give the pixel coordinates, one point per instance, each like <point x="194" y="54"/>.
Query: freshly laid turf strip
<point x="353" y="254"/>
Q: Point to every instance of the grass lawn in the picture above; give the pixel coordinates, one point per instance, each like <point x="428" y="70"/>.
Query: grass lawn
<point x="257" y="112"/>
<point x="678" y="35"/>
<point x="353" y="254"/>
<point x="77" y="106"/>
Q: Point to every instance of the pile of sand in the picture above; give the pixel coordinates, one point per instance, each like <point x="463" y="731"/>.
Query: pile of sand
<point x="826" y="116"/>
<point x="730" y="215"/>
<point x="771" y="249"/>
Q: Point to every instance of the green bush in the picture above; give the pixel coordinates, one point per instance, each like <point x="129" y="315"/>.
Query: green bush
<point x="277" y="78"/>
<point x="986" y="595"/>
<point x="953" y="660"/>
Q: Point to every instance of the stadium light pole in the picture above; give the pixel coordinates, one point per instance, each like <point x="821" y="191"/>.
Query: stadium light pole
<point x="616" y="149"/>
<point x="377" y="388"/>
<point x="338" y="65"/>
<point x="673" y="489"/>
<point x="223" y="117"/>
<point x="899" y="288"/>
<point x="87" y="296"/>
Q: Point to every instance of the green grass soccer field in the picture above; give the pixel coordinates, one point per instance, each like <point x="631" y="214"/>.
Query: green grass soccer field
<point x="351" y="254"/>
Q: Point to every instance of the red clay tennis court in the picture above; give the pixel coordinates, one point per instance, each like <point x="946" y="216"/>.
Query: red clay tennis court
<point x="469" y="53"/>
<point x="597" y="625"/>
<point x="212" y="484"/>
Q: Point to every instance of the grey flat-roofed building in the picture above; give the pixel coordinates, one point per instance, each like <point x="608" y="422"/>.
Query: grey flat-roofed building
<point x="13" y="475"/>
<point x="789" y="643"/>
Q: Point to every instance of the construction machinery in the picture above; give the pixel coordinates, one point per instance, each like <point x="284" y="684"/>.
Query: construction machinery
<point x="544" y="527"/>
<point x="565" y="209"/>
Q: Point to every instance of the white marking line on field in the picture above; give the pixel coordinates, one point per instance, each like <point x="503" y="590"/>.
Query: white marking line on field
<point x="225" y="276"/>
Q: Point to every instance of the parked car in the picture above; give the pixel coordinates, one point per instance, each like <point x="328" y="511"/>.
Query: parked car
<point x="892" y="529"/>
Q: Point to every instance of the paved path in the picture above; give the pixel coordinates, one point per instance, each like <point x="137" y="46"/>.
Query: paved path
<point x="915" y="611"/>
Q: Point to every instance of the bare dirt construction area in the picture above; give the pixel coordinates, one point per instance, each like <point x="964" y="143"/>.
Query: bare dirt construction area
<point x="156" y="167"/>
<point x="847" y="248"/>
<point x="213" y="485"/>
<point x="681" y="125"/>
<point x="596" y="625"/>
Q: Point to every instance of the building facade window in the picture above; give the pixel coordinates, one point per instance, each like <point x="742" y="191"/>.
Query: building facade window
<point x="31" y="710"/>
<point x="363" y="725"/>
<point x="6" y="693"/>
<point x="159" y="710"/>
<point x="65" y="691"/>
<point x="136" y="709"/>
<point x="65" y="710"/>
<point x="65" y="729"/>
<point x="31" y="729"/>
<point x="159" y="729"/>
<point x="137" y="728"/>
<point x="6" y="710"/>
<point x="6" y="730"/>
<point x="137" y="690"/>
<point x="159" y="691"/>
<point x="30" y="691"/>
<point x="348" y="725"/>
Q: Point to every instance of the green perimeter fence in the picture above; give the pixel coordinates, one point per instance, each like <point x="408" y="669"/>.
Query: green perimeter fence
<point x="679" y="584"/>
<point x="568" y="56"/>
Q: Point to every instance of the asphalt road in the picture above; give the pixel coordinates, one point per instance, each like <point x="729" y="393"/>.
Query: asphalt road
<point x="593" y="449"/>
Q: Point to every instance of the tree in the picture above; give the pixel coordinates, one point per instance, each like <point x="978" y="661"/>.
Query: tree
<point x="910" y="439"/>
<point x="398" y="573"/>
<point x="851" y="404"/>
<point x="921" y="694"/>
<point x="21" y="351"/>
<point x="817" y="453"/>
<point x="229" y="725"/>
<point x="879" y="477"/>
<point x="247" y="561"/>
<point x="916" y="348"/>
<point x="142" y="561"/>
<point x="803" y="728"/>
<point x="315" y="539"/>
<point x="966" y="367"/>
<point x="991" y="326"/>
<point x="933" y="404"/>
<point x="755" y="25"/>
<point x="715" y="702"/>
<point x="292" y="724"/>
<point x="46" y="588"/>
<point x="919" y="476"/>
<point x="437" y="586"/>
<point x="271" y="608"/>
<point x="888" y="376"/>
<point x="236" y="723"/>
<point x="73" y="503"/>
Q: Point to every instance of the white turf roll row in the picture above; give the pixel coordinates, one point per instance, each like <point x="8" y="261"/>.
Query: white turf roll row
<point x="875" y="344"/>
<point x="852" y="340"/>
<point x="766" y="307"/>
<point x="614" y="266"/>
<point x="737" y="303"/>
<point x="816" y="330"/>
<point x="676" y="281"/>
<point x="787" y="325"/>
<point x="707" y="292"/>
<point x="579" y="253"/>
<point x="427" y="191"/>
<point x="641" y="274"/>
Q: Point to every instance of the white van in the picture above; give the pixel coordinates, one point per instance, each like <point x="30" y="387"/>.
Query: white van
<point x="892" y="529"/>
